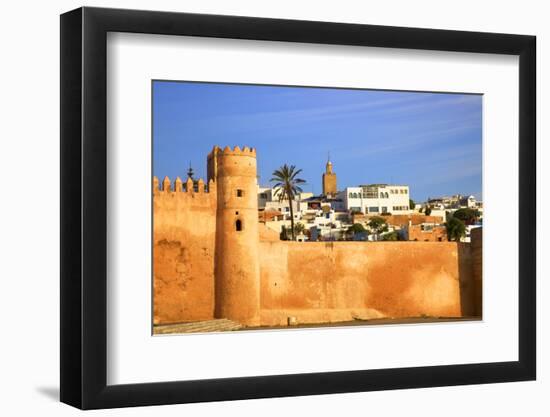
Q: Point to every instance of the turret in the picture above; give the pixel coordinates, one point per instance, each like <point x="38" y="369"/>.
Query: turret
<point x="237" y="268"/>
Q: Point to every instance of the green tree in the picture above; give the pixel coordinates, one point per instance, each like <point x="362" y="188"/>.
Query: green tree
<point x="456" y="229"/>
<point x="412" y="204"/>
<point x="467" y="215"/>
<point x="391" y="236"/>
<point x="287" y="231"/>
<point x="428" y="211"/>
<point x="355" y="228"/>
<point x="299" y="228"/>
<point x="287" y="186"/>
<point x="378" y="225"/>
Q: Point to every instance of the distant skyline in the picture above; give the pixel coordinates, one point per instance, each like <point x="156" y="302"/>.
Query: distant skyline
<point x="429" y="141"/>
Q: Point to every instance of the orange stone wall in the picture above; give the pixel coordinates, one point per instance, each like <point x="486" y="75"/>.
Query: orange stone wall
<point x="476" y="236"/>
<point x="325" y="282"/>
<point x="183" y="253"/>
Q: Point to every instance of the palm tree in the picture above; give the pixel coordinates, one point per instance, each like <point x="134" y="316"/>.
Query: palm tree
<point x="286" y="187"/>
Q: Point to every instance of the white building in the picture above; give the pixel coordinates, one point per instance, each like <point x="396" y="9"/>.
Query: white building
<point x="469" y="201"/>
<point x="265" y="194"/>
<point x="268" y="200"/>
<point x="376" y="199"/>
<point x="322" y="222"/>
<point x="454" y="202"/>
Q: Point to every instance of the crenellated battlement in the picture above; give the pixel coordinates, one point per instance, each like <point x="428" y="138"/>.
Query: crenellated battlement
<point x="180" y="187"/>
<point x="236" y="151"/>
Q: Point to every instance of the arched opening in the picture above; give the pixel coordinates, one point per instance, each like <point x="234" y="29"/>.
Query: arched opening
<point x="238" y="225"/>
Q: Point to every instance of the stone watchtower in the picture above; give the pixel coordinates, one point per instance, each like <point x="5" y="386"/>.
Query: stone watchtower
<point x="236" y="260"/>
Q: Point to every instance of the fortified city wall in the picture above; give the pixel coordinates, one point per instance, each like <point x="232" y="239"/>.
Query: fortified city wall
<point x="313" y="282"/>
<point x="184" y="225"/>
<point x="340" y="281"/>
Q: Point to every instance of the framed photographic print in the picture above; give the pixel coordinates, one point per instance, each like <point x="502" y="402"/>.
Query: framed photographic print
<point x="257" y="208"/>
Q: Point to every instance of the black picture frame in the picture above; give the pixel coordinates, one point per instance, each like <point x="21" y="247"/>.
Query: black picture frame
<point x="84" y="207"/>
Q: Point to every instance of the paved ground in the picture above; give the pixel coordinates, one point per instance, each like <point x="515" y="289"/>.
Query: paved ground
<point x="222" y="325"/>
<point x="218" y="325"/>
<point x="412" y="320"/>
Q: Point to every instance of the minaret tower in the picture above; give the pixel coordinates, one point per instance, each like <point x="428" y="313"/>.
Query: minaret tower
<point x="237" y="267"/>
<point x="329" y="180"/>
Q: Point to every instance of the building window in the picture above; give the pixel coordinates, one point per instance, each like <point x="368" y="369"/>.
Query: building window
<point x="240" y="193"/>
<point x="373" y="209"/>
<point x="238" y="225"/>
<point x="372" y="192"/>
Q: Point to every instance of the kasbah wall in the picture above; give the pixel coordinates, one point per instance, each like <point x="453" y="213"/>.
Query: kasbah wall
<point x="212" y="259"/>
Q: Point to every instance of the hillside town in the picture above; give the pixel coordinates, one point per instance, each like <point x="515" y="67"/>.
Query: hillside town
<point x="367" y="212"/>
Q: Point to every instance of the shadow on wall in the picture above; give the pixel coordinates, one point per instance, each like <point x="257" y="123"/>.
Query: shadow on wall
<point x="470" y="258"/>
<point x="467" y="304"/>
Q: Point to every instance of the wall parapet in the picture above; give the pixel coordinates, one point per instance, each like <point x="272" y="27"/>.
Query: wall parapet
<point x="245" y="151"/>
<point x="180" y="187"/>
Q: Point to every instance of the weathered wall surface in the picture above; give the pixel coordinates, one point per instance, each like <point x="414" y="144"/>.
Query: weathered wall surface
<point x="183" y="252"/>
<point x="237" y="266"/>
<point x="477" y="268"/>
<point x="317" y="282"/>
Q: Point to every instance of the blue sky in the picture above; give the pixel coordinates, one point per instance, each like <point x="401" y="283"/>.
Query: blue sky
<point x="429" y="141"/>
